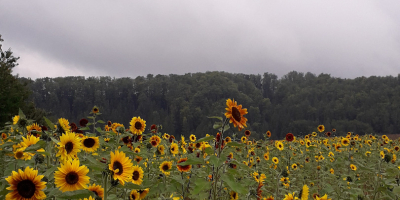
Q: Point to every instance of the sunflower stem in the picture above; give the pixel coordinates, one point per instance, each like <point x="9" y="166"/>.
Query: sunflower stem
<point x="105" y="186"/>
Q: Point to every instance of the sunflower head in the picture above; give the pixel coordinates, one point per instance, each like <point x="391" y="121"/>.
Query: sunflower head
<point x="134" y="195"/>
<point x="235" y="113"/>
<point x="275" y="160"/>
<point x="64" y="125"/>
<point x="26" y="185"/>
<point x="183" y="168"/>
<point x="137" y="175"/>
<point x="90" y="144"/>
<point x="165" y="167"/>
<point x="15" y="119"/>
<point x="121" y="166"/>
<point x="155" y="140"/>
<point x="192" y="138"/>
<point x="70" y="176"/>
<point x="268" y="133"/>
<point x="69" y="146"/>
<point x="137" y="125"/>
<point x="95" y="109"/>
<point x="97" y="190"/>
<point x="321" y="128"/>
<point x="143" y="193"/>
<point x="233" y="195"/>
<point x="174" y="149"/>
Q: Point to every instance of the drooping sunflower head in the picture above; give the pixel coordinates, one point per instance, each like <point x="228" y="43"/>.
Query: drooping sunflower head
<point x="174" y="149"/>
<point x="183" y="168"/>
<point x="70" y="176"/>
<point x="69" y="146"/>
<point x="160" y="149"/>
<point x="97" y="190"/>
<point x="137" y="175"/>
<point x="165" y="167"/>
<point x="321" y="128"/>
<point x="137" y="125"/>
<point x="192" y="138"/>
<point x="235" y="113"/>
<point x="64" y="125"/>
<point x="90" y="144"/>
<point x="26" y="185"/>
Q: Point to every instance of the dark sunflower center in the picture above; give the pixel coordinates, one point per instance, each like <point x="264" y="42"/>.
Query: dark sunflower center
<point x="236" y="114"/>
<point x="138" y="125"/>
<point x="133" y="197"/>
<point x="118" y="165"/>
<point x="69" y="146"/>
<point x="165" y="167"/>
<point x="95" y="193"/>
<point x="96" y="110"/>
<point x="135" y="175"/>
<point x="19" y="154"/>
<point x="154" y="143"/>
<point x="26" y="188"/>
<point x="72" y="178"/>
<point x="89" y="142"/>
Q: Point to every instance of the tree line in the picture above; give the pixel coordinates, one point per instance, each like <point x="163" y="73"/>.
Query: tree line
<point x="296" y="103"/>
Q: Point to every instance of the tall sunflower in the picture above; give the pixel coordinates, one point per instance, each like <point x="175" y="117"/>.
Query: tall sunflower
<point x="70" y="176"/>
<point x="183" y="168"/>
<point x="25" y="185"/>
<point x="321" y="128"/>
<point x="90" y="144"/>
<point x="69" y="146"/>
<point x="97" y="189"/>
<point x="95" y="110"/>
<point x="137" y="125"/>
<point x="192" y="138"/>
<point x="165" y="167"/>
<point x="235" y="114"/>
<point x="137" y="175"/>
<point x="121" y="166"/>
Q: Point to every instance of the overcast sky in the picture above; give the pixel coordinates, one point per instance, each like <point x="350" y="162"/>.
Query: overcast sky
<point x="345" y="38"/>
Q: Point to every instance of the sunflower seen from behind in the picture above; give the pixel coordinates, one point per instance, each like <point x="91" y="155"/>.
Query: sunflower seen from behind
<point x="70" y="176"/>
<point x="235" y="113"/>
<point x="69" y="146"/>
<point x="90" y="144"/>
<point x="121" y="166"/>
<point x="25" y="185"/>
<point x="137" y="125"/>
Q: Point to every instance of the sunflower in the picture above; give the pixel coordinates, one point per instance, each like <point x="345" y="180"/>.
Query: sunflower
<point x="289" y="137"/>
<point x="29" y="140"/>
<point x="161" y="149"/>
<point x="69" y="146"/>
<point x="26" y="185"/>
<point x="134" y="195"/>
<point x="115" y="127"/>
<point x="143" y="193"/>
<point x="233" y="195"/>
<point x="353" y="167"/>
<point x="90" y="144"/>
<point x="269" y="198"/>
<point x="137" y="175"/>
<point x="303" y="195"/>
<point x="268" y="133"/>
<point x="20" y="154"/>
<point x="15" y="119"/>
<point x="266" y="156"/>
<point x="382" y="154"/>
<point x="183" y="168"/>
<point x="279" y="145"/>
<point x="4" y="136"/>
<point x="235" y="114"/>
<point x="345" y="142"/>
<point x="137" y="125"/>
<point x="70" y="176"/>
<point x="138" y="159"/>
<point x="192" y="138"/>
<point x="247" y="133"/>
<point x="321" y="128"/>
<point x="396" y="148"/>
<point x="174" y="149"/>
<point x="228" y="139"/>
<point x="155" y="140"/>
<point x="165" y="167"/>
<point x="275" y="160"/>
<point x="289" y="196"/>
<point x="337" y="147"/>
<point x="97" y="189"/>
<point x="325" y="197"/>
<point x="121" y="166"/>
<point x="95" y="110"/>
<point x="243" y="139"/>
<point x="294" y="166"/>
<point x="332" y="171"/>
<point x="83" y="122"/>
<point x="33" y="127"/>
<point x="64" y="124"/>
<point x="166" y="136"/>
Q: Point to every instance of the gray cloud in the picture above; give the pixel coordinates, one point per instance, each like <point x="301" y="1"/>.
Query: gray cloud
<point x="342" y="38"/>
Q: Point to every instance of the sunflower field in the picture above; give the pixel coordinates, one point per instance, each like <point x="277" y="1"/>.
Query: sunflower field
<point x="95" y="159"/>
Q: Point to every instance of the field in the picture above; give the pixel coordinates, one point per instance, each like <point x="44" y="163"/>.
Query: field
<point x="95" y="159"/>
